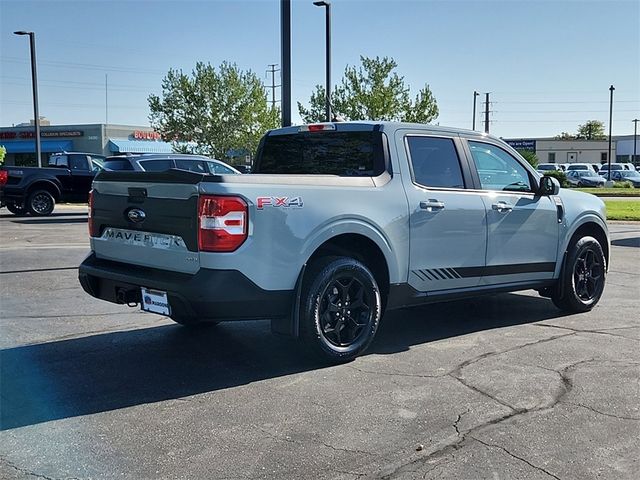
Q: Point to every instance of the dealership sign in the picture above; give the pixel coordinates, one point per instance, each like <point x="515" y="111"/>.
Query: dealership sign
<point x="529" y="145"/>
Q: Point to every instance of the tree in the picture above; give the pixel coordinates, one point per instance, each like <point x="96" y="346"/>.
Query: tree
<point x="212" y="111"/>
<point x="530" y="157"/>
<point x="3" y="152"/>
<point x="592" y="130"/>
<point x="565" y="136"/>
<point x="372" y="91"/>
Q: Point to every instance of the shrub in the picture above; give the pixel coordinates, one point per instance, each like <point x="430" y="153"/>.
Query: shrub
<point x="624" y="184"/>
<point x="558" y="175"/>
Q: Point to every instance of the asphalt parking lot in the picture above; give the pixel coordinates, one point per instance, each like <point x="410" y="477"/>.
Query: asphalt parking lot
<point x="499" y="387"/>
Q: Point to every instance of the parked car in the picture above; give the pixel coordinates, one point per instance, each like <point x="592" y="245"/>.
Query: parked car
<point x="545" y="167"/>
<point x="161" y="162"/>
<point x="626" y="176"/>
<point x="584" y="178"/>
<point x="339" y="222"/>
<point x="36" y="190"/>
<point x="581" y="166"/>
<point x="604" y="169"/>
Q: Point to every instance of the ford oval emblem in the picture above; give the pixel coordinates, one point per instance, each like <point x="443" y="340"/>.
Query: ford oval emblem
<point x="136" y="215"/>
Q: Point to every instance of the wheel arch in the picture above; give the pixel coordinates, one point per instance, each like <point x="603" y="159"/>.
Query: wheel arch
<point x="47" y="185"/>
<point x="593" y="227"/>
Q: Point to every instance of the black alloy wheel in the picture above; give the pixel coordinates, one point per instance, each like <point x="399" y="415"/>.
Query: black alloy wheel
<point x="340" y="308"/>
<point x="582" y="280"/>
<point x="41" y="203"/>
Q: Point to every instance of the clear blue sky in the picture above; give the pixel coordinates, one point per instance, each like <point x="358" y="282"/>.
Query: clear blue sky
<point x="548" y="64"/>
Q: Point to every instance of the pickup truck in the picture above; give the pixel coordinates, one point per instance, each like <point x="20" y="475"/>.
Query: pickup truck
<point x="338" y="223"/>
<point x="36" y="190"/>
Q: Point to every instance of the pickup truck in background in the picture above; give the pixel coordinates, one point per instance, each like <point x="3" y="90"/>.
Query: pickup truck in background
<point x="36" y="190"/>
<point x="339" y="222"/>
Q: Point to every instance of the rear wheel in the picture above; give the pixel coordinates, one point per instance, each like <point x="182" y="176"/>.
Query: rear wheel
<point x="41" y="203"/>
<point x="17" y="209"/>
<point x="340" y="308"/>
<point x="583" y="278"/>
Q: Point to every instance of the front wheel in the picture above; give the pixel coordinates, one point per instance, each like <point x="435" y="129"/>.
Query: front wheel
<point x="582" y="281"/>
<point x="340" y="308"/>
<point x="41" y="203"/>
<point x="16" y="209"/>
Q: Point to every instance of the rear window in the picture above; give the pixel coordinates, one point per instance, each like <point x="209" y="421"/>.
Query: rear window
<point x="348" y="154"/>
<point x="118" y="165"/>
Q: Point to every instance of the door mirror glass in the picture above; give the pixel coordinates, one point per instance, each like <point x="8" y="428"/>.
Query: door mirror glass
<point x="549" y="186"/>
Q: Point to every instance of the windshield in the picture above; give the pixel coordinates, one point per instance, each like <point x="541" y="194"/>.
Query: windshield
<point x="630" y="173"/>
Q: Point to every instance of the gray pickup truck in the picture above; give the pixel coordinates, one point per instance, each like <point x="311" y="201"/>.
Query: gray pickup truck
<point x="339" y="222"/>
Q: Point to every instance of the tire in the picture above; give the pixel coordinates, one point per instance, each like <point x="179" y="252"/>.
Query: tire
<point x="580" y="185"/>
<point x="583" y="278"/>
<point x="41" y="203"/>
<point x="340" y="308"/>
<point x="17" y="210"/>
<point x="193" y="322"/>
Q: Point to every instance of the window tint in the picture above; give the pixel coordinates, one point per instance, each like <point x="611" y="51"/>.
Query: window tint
<point x="58" y="161"/>
<point x="435" y="162"/>
<point x="219" y="169"/>
<point x="191" y="165"/>
<point x="156" y="165"/>
<point x="78" y="162"/>
<point x="323" y="153"/>
<point x="118" y="164"/>
<point x="498" y="170"/>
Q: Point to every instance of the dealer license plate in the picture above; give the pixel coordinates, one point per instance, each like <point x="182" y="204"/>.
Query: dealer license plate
<point x="155" y="301"/>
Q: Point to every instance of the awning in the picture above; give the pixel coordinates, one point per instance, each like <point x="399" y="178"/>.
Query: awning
<point x="117" y="145"/>
<point x="29" y="146"/>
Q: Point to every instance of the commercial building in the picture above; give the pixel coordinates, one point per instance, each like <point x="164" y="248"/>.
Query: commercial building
<point x="98" y="138"/>
<point x="625" y="150"/>
<point x="551" y="150"/>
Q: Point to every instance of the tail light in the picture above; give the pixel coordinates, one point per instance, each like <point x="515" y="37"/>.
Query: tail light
<point x="92" y="228"/>
<point x="222" y="223"/>
<point x="4" y="176"/>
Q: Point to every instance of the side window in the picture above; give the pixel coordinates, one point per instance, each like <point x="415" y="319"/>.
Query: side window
<point x="218" y="169"/>
<point x="435" y="162"/>
<point x="156" y="165"/>
<point x="78" y="163"/>
<point x="498" y="170"/>
<point x="191" y="165"/>
<point x="58" y="161"/>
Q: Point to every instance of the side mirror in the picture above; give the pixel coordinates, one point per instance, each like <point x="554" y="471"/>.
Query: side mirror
<point x="549" y="186"/>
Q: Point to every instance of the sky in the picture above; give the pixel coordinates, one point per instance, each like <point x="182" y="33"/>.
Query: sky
<point x="547" y="64"/>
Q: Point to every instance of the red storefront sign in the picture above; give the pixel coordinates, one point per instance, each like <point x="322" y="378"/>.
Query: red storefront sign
<point x="142" y="135"/>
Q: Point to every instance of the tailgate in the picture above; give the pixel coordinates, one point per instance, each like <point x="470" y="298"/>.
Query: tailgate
<point x="147" y="219"/>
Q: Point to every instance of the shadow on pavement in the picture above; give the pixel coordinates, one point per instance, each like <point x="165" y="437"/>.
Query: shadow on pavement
<point x="109" y="371"/>
<point x="44" y="221"/>
<point x="627" y="242"/>
<point x="54" y="214"/>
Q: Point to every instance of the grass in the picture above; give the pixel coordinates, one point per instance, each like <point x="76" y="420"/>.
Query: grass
<point x="611" y="192"/>
<point x="623" y="210"/>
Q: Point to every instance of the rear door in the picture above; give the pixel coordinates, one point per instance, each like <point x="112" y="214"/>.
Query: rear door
<point x="522" y="226"/>
<point x="448" y="232"/>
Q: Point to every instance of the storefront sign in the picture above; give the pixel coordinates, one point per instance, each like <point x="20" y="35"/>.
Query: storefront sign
<point x="529" y="145"/>
<point x="44" y="134"/>
<point x="142" y="135"/>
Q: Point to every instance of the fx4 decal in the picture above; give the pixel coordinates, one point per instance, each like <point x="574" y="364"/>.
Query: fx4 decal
<point x="295" y="202"/>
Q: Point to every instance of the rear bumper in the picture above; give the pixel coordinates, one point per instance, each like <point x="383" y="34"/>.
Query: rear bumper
<point x="206" y="295"/>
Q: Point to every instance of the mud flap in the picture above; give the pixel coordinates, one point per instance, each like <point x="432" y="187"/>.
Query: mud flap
<point x="290" y="325"/>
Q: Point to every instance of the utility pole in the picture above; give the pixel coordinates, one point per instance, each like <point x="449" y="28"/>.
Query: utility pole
<point x="635" y="140"/>
<point x="475" y="95"/>
<point x="486" y="113"/>
<point x="611" y="89"/>
<point x="106" y="99"/>
<point x="285" y="61"/>
<point x="273" y="70"/>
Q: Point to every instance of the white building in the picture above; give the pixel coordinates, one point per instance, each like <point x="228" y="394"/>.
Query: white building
<point x="551" y="150"/>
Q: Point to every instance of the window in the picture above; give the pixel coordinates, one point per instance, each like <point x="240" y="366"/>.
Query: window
<point x="219" y="169"/>
<point x="58" y="161"/>
<point x="191" y="165"/>
<point x="435" y="162"/>
<point x="603" y="156"/>
<point x="350" y="154"/>
<point x="498" y="170"/>
<point x="156" y="165"/>
<point x="118" y="164"/>
<point x="552" y="157"/>
<point x="78" y="162"/>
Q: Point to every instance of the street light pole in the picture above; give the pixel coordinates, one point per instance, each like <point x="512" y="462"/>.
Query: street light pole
<point x="475" y="95"/>
<point x="635" y="140"/>
<point x="34" y="82"/>
<point x="327" y="5"/>
<point x="611" y="89"/>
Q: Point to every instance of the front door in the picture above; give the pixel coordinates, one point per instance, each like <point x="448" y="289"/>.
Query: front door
<point x="522" y="227"/>
<point x="447" y="223"/>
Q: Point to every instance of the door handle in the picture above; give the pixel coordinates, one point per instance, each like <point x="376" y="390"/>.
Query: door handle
<point x="502" y="207"/>
<point x="432" y="205"/>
